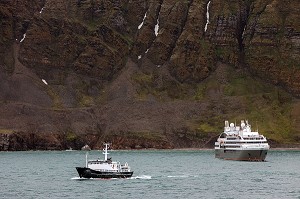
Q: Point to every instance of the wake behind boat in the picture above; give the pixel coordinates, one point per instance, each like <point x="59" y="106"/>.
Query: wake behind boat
<point x="104" y="168"/>
<point x="240" y="143"/>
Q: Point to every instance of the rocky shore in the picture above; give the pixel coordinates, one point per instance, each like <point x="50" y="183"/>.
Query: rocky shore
<point x="23" y="142"/>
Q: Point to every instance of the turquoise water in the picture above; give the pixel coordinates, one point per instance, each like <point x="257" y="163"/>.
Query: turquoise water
<point x="157" y="174"/>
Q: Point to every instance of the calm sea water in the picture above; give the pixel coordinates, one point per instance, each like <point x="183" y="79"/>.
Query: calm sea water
<point x="160" y="174"/>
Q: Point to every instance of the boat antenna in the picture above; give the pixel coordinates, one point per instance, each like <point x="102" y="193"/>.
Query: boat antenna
<point x="105" y="153"/>
<point x="86" y="159"/>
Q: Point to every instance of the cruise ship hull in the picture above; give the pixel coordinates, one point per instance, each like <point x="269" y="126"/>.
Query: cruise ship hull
<point x="243" y="155"/>
<point x="90" y="173"/>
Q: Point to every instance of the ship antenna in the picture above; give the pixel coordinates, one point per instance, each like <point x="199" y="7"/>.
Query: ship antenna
<point x="86" y="159"/>
<point x="105" y="151"/>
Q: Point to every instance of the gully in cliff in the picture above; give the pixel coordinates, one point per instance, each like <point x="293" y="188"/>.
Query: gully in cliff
<point x="104" y="168"/>
<point x="240" y="143"/>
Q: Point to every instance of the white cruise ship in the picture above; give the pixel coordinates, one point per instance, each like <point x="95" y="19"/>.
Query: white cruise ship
<point x="240" y="143"/>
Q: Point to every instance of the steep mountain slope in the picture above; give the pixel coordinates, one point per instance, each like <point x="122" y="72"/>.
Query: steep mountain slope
<point x="146" y="73"/>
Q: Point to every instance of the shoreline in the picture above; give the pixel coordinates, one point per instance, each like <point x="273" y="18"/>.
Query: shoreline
<point x="154" y="149"/>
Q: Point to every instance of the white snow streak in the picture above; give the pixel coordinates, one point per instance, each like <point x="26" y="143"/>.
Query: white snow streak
<point x="44" y="81"/>
<point x="24" y="35"/>
<point x="140" y="26"/>
<point x="41" y="10"/>
<point x="207" y="16"/>
<point x="147" y="51"/>
<point x="156" y="27"/>
<point x="244" y="32"/>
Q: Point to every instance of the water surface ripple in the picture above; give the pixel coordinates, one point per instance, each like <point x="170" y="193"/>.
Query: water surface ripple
<point x="158" y="174"/>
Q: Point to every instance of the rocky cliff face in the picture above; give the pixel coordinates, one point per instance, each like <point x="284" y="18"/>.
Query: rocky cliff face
<point x="150" y="73"/>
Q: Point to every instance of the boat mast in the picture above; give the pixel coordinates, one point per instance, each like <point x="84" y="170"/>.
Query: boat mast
<point x="105" y="153"/>
<point x="86" y="159"/>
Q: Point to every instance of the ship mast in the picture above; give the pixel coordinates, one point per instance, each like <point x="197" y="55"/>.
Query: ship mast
<point x="105" y="153"/>
<point x="86" y="159"/>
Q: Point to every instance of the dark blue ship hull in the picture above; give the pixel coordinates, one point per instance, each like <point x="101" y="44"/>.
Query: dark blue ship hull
<point x="90" y="173"/>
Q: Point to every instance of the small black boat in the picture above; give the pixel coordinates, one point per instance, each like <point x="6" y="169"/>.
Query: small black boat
<point x="104" y="168"/>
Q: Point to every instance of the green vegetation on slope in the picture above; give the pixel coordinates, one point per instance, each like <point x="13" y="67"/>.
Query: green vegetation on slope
<point x="239" y="96"/>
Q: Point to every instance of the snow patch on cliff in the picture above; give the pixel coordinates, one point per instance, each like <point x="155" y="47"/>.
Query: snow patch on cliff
<point x="156" y="28"/>
<point x="41" y="10"/>
<point x="141" y="24"/>
<point x="243" y="34"/>
<point x="24" y="35"/>
<point x="44" y="81"/>
<point x="207" y="16"/>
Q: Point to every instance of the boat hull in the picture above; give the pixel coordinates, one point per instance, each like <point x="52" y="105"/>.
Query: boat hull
<point x="90" y="173"/>
<point x="243" y="155"/>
